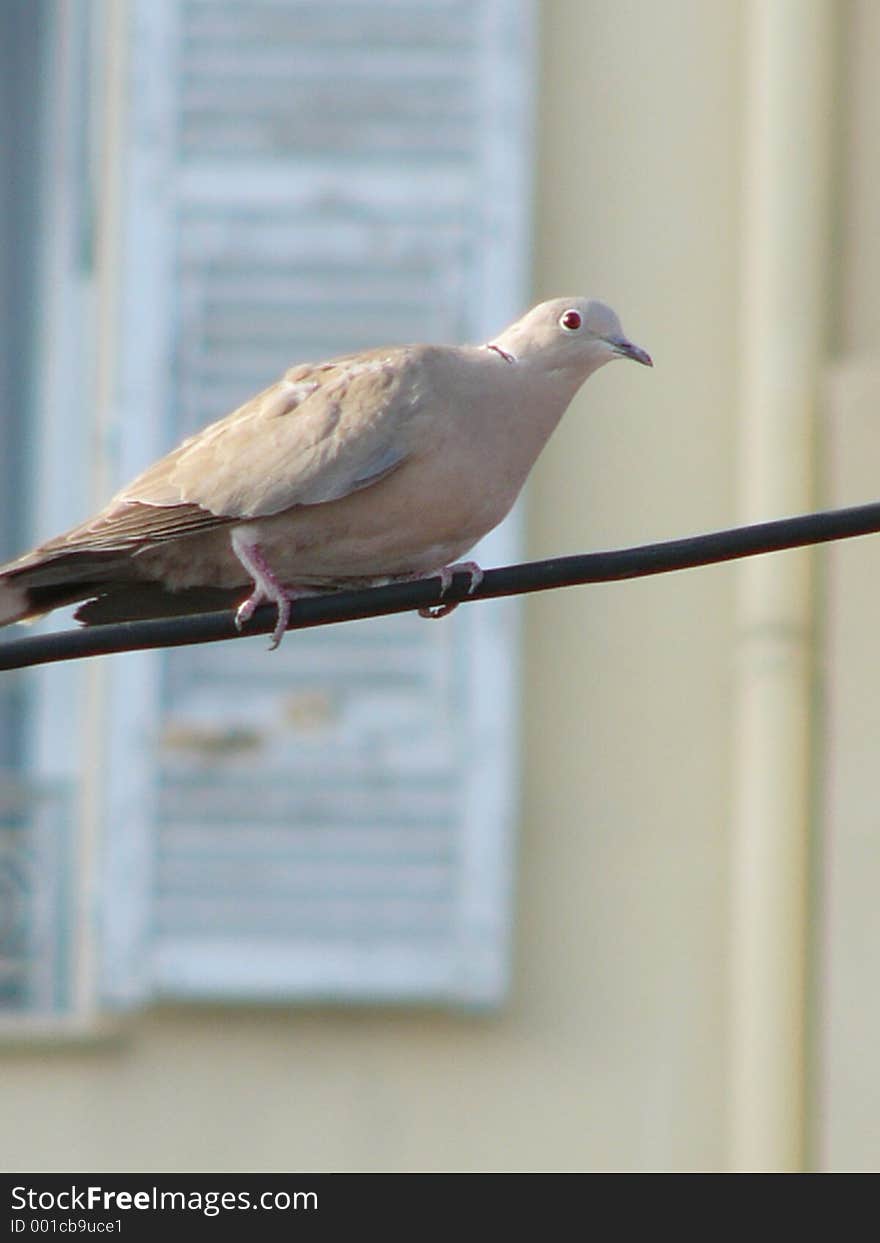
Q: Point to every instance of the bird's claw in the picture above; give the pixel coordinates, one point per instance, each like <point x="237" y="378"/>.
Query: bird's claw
<point x="446" y="575"/>
<point x="436" y="611"/>
<point x="248" y="607"/>
<point x="246" y="610"/>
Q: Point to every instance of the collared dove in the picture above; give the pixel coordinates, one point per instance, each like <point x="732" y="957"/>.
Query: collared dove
<point x="366" y="469"/>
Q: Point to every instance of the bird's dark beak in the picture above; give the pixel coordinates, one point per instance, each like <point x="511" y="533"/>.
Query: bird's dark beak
<point x="626" y="349"/>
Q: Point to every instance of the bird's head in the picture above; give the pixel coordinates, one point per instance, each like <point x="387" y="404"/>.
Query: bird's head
<point x="575" y="335"/>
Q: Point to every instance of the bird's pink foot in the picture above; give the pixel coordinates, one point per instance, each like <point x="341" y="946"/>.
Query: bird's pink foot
<point x="258" y="596"/>
<point x="267" y="588"/>
<point x="446" y="575"/>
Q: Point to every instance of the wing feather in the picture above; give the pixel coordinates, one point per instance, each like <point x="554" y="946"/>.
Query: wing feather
<point x="317" y="435"/>
<point x="321" y="432"/>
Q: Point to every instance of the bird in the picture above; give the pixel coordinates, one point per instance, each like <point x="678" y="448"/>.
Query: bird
<point x="375" y="467"/>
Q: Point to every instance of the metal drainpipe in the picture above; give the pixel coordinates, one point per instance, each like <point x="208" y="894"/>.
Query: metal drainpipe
<point x="790" y="53"/>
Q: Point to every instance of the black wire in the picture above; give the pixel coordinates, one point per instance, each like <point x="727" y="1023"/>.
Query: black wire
<point x="597" y="567"/>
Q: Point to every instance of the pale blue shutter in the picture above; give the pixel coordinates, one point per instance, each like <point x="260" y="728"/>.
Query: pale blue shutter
<point x="42" y="936"/>
<point x="16" y="881"/>
<point x="332" y="820"/>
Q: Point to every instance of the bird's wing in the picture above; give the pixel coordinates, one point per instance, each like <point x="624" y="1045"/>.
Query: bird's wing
<point x="321" y="432"/>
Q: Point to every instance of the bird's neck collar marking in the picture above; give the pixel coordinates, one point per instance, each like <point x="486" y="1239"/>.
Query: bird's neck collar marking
<point x="508" y="358"/>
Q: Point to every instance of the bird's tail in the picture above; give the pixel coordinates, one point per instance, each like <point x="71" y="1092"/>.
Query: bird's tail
<point x="48" y="579"/>
<point x="146" y="601"/>
<point x="44" y="580"/>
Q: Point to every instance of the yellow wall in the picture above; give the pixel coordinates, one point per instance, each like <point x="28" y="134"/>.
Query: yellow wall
<point x="846" y="1009"/>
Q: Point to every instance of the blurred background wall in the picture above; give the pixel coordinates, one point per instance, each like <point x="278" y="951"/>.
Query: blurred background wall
<point x="617" y="1047"/>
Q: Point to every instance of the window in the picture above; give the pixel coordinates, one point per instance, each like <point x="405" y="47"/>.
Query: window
<point x="268" y="183"/>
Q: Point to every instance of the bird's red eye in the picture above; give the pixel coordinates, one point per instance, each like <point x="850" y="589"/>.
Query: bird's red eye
<point x="570" y="320"/>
